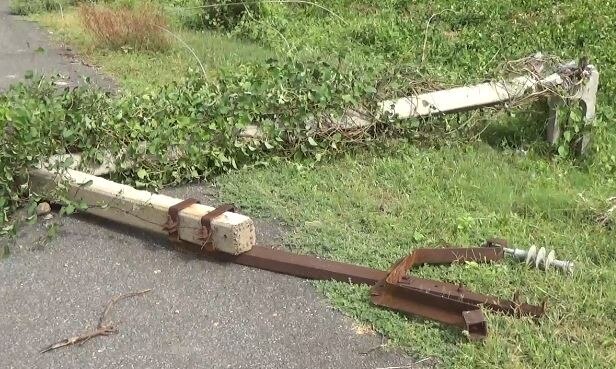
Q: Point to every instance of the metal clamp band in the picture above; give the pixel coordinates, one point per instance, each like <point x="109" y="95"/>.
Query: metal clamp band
<point x="205" y="233"/>
<point x="173" y="219"/>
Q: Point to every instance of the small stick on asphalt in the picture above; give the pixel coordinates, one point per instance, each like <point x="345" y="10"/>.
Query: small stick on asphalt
<point x="101" y="329"/>
<point x="410" y="366"/>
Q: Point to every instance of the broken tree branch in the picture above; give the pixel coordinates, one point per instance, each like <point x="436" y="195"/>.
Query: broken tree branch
<point x="102" y="329"/>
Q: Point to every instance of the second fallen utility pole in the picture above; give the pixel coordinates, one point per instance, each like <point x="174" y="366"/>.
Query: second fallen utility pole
<point x="573" y="81"/>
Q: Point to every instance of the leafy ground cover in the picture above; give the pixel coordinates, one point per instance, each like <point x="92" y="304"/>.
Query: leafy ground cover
<point x="455" y="180"/>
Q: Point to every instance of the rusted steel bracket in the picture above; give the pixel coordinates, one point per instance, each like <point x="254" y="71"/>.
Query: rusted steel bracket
<point x="173" y="219"/>
<point x="285" y="262"/>
<point x="441" y="301"/>
<point x="304" y="266"/>
<point x="445" y="302"/>
<point x="205" y="233"/>
<point x="276" y="260"/>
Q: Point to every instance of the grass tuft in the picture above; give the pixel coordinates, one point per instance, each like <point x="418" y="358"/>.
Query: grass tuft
<point x="140" y="71"/>
<point x="139" y="28"/>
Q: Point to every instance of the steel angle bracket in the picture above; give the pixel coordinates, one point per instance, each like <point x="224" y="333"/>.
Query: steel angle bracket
<point x="425" y="304"/>
<point x="445" y="302"/>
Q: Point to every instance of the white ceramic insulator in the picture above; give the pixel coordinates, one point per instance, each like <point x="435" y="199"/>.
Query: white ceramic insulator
<point x="540" y="258"/>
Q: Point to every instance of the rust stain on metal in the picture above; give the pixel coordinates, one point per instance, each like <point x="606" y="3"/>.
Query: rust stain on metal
<point x="475" y="324"/>
<point x="285" y="262"/>
<point x="445" y="302"/>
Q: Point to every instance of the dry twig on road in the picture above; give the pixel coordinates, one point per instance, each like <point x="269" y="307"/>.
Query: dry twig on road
<point x="102" y="329"/>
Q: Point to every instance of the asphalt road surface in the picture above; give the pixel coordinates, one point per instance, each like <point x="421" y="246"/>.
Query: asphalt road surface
<point x="25" y="48"/>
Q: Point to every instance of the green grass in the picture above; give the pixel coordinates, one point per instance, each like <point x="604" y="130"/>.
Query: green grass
<point x="450" y="40"/>
<point x="142" y="71"/>
<point x="373" y="208"/>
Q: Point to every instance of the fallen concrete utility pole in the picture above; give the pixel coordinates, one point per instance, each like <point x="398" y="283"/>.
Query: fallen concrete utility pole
<point x="221" y="234"/>
<point x="464" y="98"/>
<point x="185" y="220"/>
<point x="577" y="82"/>
<point x="571" y="82"/>
<point x="76" y="162"/>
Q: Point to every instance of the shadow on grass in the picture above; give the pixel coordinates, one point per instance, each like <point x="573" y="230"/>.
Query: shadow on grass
<point x="521" y="129"/>
<point x="518" y="130"/>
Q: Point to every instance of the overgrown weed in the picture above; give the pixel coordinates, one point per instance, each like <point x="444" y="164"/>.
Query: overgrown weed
<point x="138" y="28"/>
